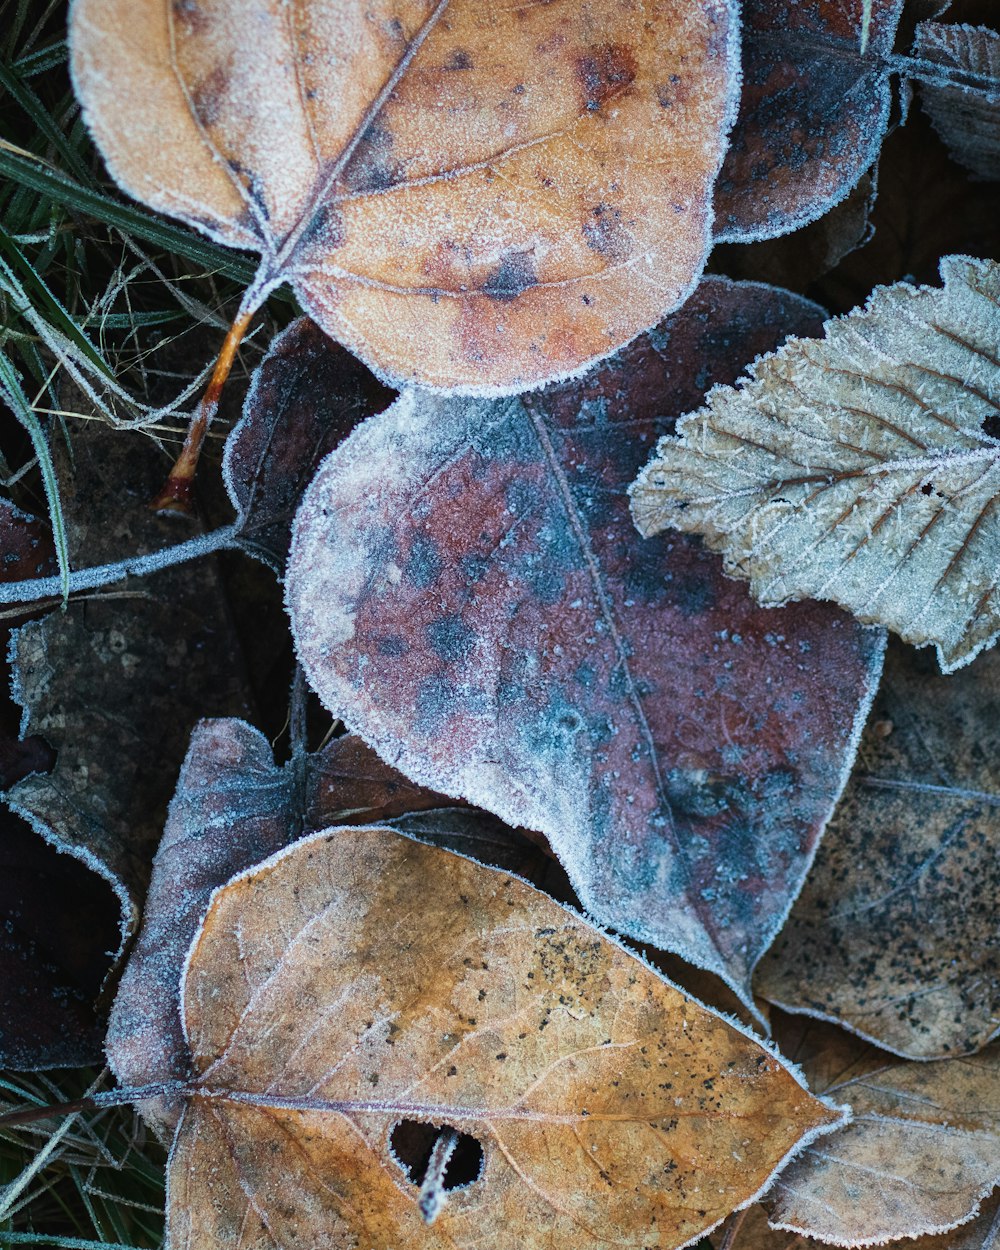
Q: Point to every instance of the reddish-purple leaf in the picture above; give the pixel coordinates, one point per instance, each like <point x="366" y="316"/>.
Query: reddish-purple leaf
<point x="274" y="451"/>
<point x="813" y="111"/>
<point x="468" y="592"/>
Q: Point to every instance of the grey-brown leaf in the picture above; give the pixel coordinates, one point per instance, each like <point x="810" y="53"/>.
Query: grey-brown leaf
<point x="964" y="107"/>
<point x="862" y="468"/>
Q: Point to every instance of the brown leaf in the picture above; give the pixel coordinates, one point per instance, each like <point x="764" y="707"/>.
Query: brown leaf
<point x="964" y="106"/>
<point x="862" y="468"/>
<point x="273" y="453"/>
<point x="478" y="199"/>
<point x="608" y="1108"/>
<point x="814" y="109"/>
<point x="233" y="807"/>
<point x="116" y="682"/>
<point x="922" y="1152"/>
<point x="538" y="659"/>
<point x="895" y="932"/>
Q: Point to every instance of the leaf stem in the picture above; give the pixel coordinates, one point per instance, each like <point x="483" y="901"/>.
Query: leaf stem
<point x="95" y="1102"/>
<point x="176" y="493"/>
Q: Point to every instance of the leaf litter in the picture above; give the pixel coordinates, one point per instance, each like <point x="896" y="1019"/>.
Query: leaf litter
<point x="675" y="744"/>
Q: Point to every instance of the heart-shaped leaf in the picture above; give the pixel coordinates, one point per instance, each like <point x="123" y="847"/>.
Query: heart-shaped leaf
<point x="476" y="197"/>
<point x="468" y="593"/>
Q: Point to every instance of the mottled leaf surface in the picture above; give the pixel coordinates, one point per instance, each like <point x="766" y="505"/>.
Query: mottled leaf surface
<point x="862" y="468"/>
<point x="813" y="112"/>
<point x="922" y="1152"/>
<point x="322" y="1009"/>
<point x="964" y="106"/>
<point x="896" y="931"/>
<point x="234" y="806"/>
<point x="474" y="196"/>
<point x="115" y="683"/>
<point x="274" y="451"/>
<point x="468" y="593"/>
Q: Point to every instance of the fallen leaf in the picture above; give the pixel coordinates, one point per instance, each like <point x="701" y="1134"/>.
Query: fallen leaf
<point x="965" y="105"/>
<point x="895" y="932"/>
<point x="814" y="109"/>
<point x="607" y="1107"/>
<point x="274" y="451"/>
<point x="476" y="198"/>
<point x="926" y="208"/>
<point x="921" y="1153"/>
<point x="862" y="468"/>
<point x="680" y="748"/>
<point x="749" y="1230"/>
<point x="115" y="682"/>
<point x="233" y="807"/>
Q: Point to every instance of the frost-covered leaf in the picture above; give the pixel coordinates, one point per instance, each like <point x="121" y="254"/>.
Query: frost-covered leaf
<point x="328" y="1014"/>
<point x="895" y="933"/>
<point x="115" y="683"/>
<point x="233" y="807"/>
<point x="964" y="106"/>
<point x="922" y="1152"/>
<point x="273" y="453"/>
<point x="478" y="197"/>
<point x="750" y="1230"/>
<point x="814" y="108"/>
<point x="469" y="595"/>
<point x="863" y="468"/>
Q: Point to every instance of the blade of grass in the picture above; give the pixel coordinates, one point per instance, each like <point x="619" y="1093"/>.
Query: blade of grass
<point x="10" y="387"/>
<point x="25" y="96"/>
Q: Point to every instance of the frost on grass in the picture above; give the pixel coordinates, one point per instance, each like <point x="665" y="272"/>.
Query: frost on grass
<point x="964" y="105"/>
<point x="863" y="468"/>
<point x="920" y="1155"/>
<point x="468" y="593"/>
<point x="476" y="197"/>
<point x="895" y="934"/>
<point x="323" y="1008"/>
<point x="814" y="108"/>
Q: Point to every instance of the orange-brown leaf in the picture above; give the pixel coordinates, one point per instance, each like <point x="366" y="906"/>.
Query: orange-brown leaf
<point x="323" y="1007"/>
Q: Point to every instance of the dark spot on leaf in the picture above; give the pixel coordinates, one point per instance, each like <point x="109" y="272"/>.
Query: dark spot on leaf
<point x="605" y="233"/>
<point x="511" y="277"/>
<point x="459" y="60"/>
<point x="451" y="638"/>
<point x="371" y="167"/>
<point x="208" y="94"/>
<point x="605" y="74"/>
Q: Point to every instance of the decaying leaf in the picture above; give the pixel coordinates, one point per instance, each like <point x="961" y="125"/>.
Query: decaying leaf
<point x="478" y="197"/>
<point x="607" y="1107"/>
<point x="862" y="468"/>
<point x="966" y="114"/>
<point x="274" y="451"/>
<point x="814" y="109"/>
<point x="233" y="807"/>
<point x="468" y="594"/>
<point x="922" y="1152"/>
<point x="896" y="932"/>
<point x="115" y="683"/>
<point x="750" y="1230"/>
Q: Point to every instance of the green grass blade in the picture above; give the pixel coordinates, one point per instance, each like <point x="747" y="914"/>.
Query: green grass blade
<point x="23" y="95"/>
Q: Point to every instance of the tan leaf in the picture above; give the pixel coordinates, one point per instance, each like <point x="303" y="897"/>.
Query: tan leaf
<point x="965" y="105"/>
<point x="922" y="1152"/>
<point x="476" y="196"/>
<point x="359" y="980"/>
<point x="895" y="931"/>
<point x="862" y="468"/>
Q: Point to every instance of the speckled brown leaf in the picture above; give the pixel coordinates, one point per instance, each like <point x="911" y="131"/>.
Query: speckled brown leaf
<point x="896" y="933"/>
<point x="468" y="593"/>
<point x="324" y="1009"/>
<point x="273" y="453"/>
<point x="116" y="682"/>
<point x="814" y="108"/>
<point x="922" y="1152"/>
<point x="862" y="468"/>
<point x="233" y="807"/>
<point x="965" y="105"/>
<point x="476" y="196"/>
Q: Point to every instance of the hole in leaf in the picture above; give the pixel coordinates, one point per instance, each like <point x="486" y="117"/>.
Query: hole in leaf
<point x="991" y="426"/>
<point x="412" y="1143"/>
<point x="927" y="488"/>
